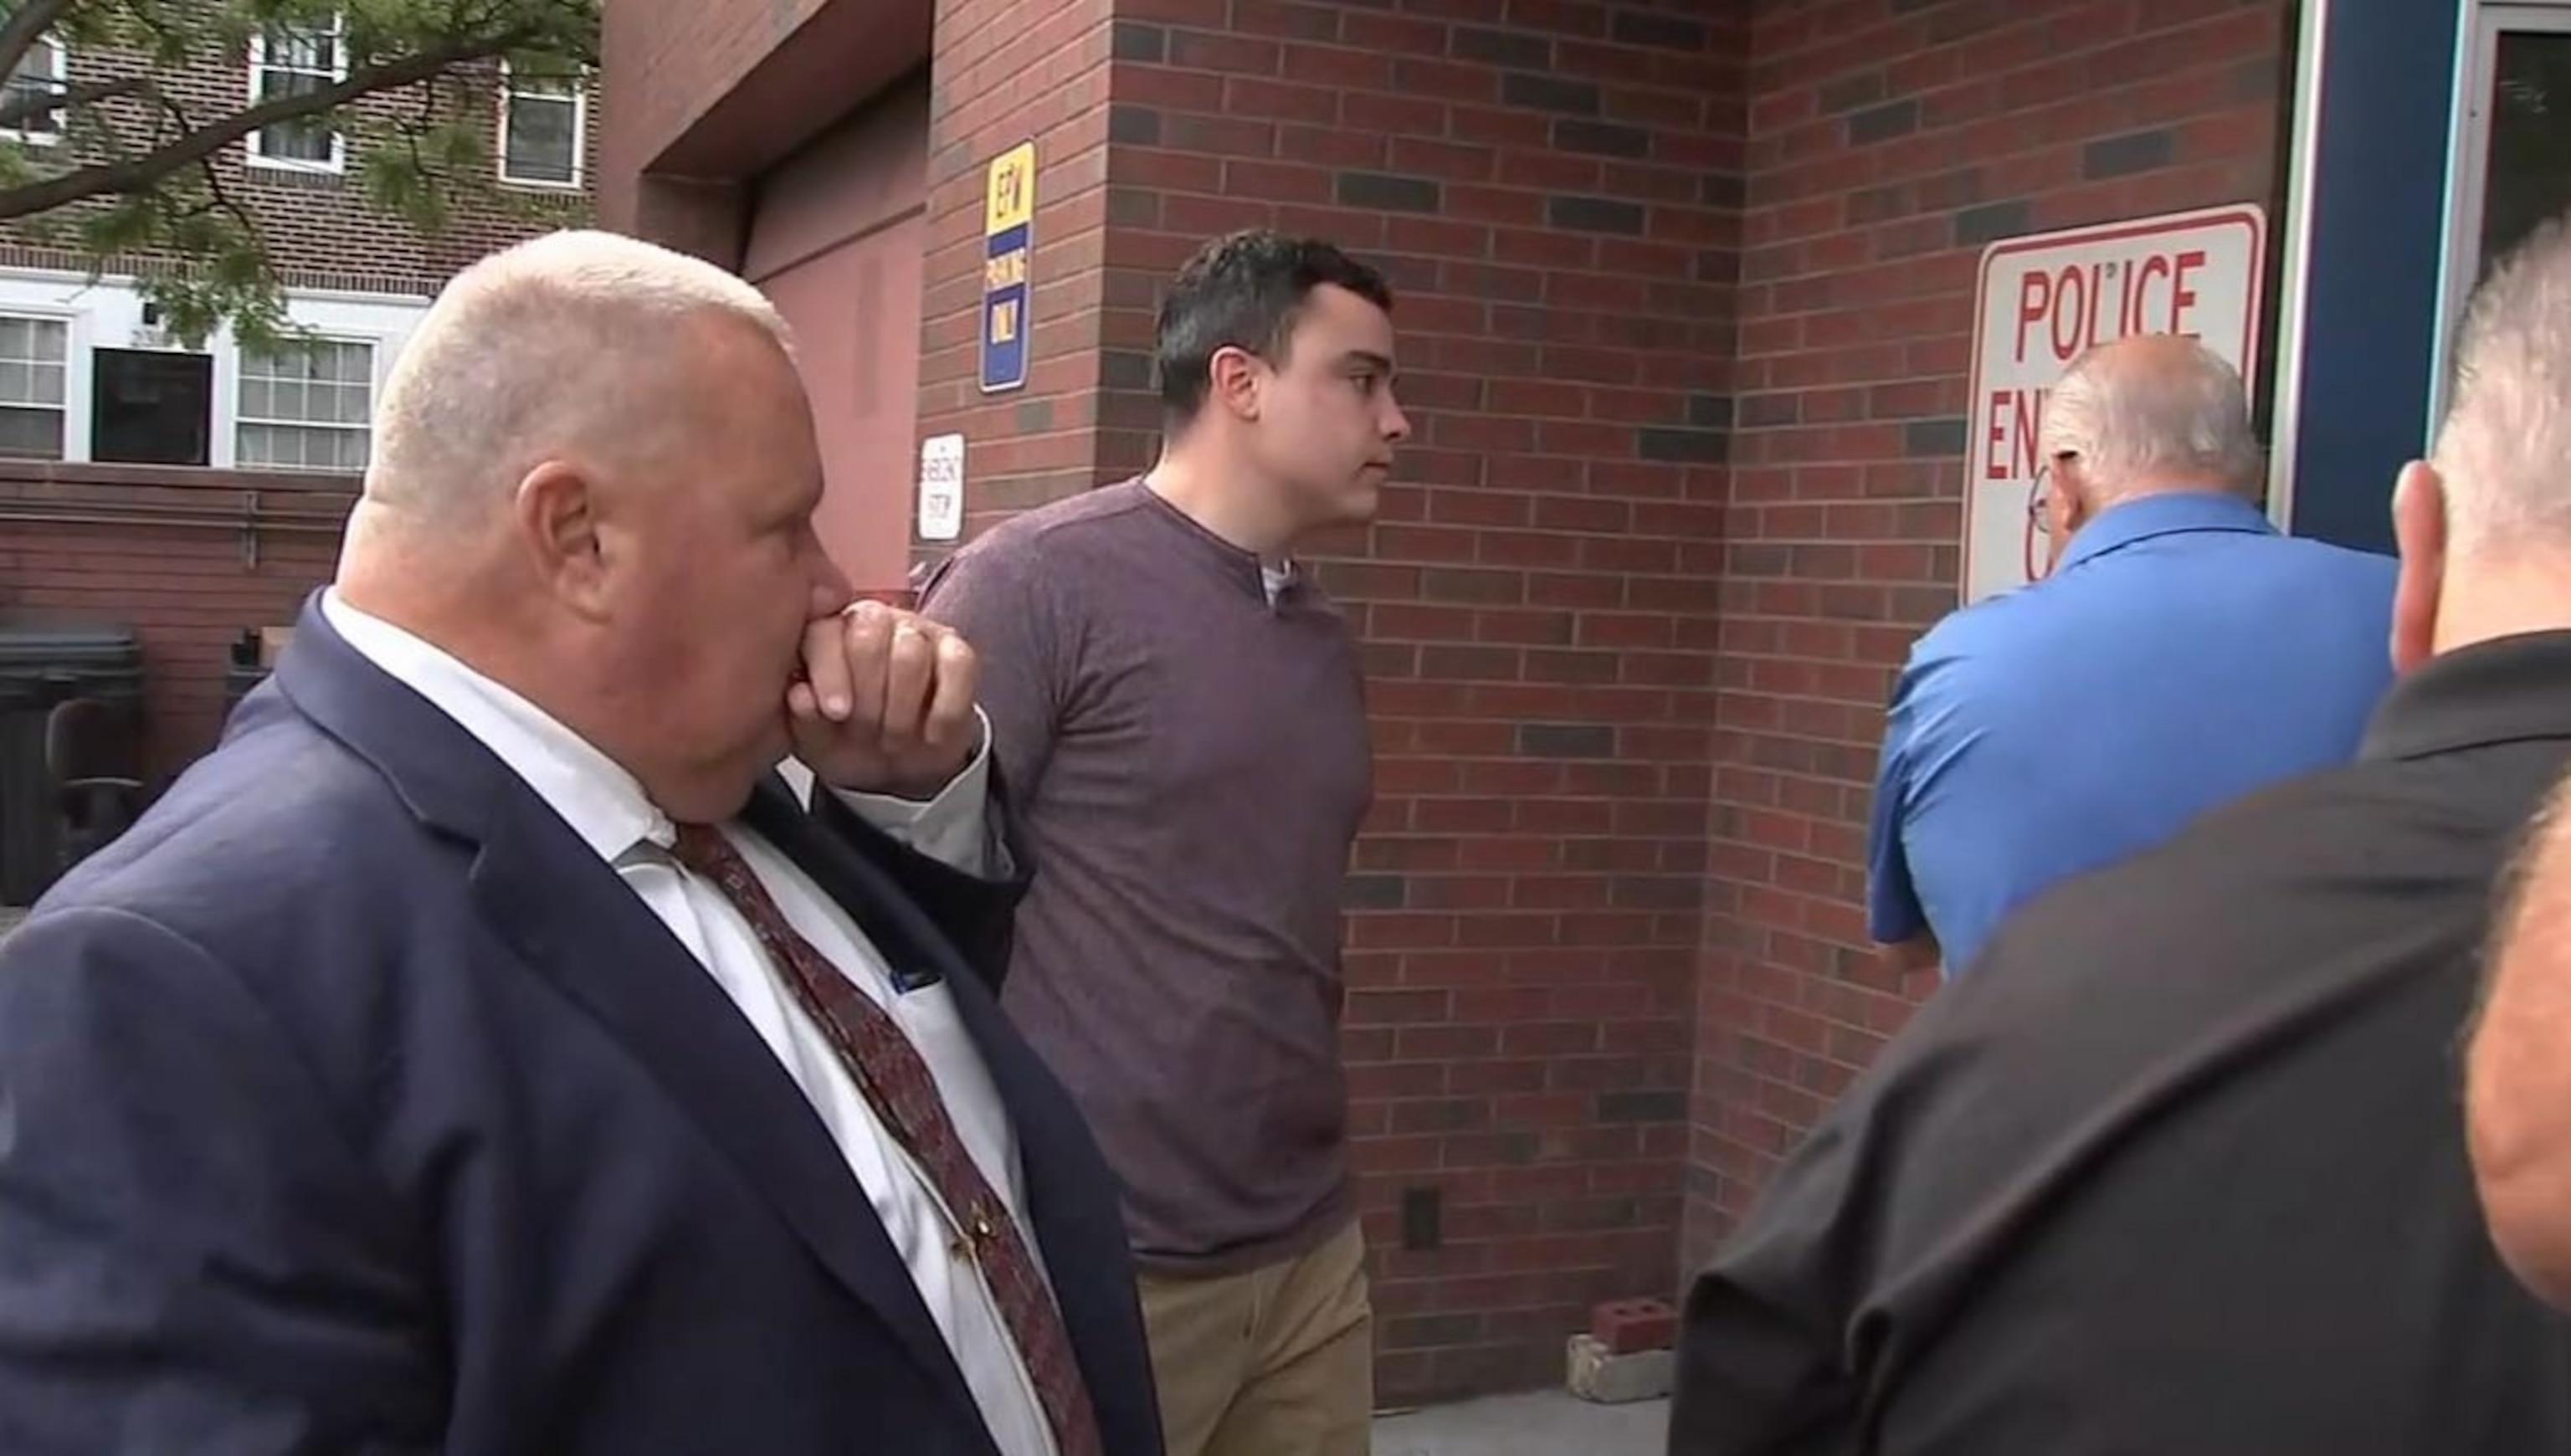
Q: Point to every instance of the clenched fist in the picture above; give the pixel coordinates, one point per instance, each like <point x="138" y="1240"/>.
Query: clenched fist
<point x="886" y="702"/>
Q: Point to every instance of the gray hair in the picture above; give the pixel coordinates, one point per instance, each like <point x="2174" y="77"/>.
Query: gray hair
<point x="573" y="340"/>
<point x="2154" y="407"/>
<point x="2504" y="449"/>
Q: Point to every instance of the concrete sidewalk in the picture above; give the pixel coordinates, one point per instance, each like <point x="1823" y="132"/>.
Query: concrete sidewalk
<point x="1547" y="1423"/>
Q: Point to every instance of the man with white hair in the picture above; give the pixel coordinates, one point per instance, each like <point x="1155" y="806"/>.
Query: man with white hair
<point x="2494" y="522"/>
<point x="485" y="1050"/>
<point x="2180" y="654"/>
<point x="2178" y="1168"/>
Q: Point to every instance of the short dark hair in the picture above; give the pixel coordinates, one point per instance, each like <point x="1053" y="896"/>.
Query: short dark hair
<point x="1244" y="291"/>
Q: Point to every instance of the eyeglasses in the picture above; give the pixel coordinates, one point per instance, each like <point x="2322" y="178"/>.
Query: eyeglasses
<point x="2039" y="492"/>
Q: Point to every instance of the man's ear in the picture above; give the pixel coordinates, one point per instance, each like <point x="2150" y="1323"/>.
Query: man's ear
<point x="1236" y="378"/>
<point x="2419" y="531"/>
<point x="557" y="519"/>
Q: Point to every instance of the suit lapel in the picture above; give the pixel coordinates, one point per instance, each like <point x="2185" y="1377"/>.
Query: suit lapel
<point x="1078" y="1224"/>
<point x="589" y="934"/>
<point x="572" y="918"/>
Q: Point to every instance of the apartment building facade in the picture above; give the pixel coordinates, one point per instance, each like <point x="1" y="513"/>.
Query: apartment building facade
<point x="192" y="491"/>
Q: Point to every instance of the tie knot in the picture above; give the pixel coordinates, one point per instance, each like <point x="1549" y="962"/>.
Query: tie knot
<point x="702" y="848"/>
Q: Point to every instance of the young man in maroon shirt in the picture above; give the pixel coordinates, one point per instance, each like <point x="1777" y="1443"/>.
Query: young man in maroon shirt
<point x="1178" y="720"/>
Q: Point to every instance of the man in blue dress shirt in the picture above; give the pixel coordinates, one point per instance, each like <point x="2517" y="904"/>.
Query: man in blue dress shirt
<point x="2182" y="652"/>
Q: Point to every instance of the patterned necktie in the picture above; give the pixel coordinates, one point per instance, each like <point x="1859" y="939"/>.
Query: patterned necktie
<point x="888" y="1069"/>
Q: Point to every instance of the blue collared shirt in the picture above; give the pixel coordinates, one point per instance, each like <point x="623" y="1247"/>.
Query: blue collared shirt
<point x="2183" y="653"/>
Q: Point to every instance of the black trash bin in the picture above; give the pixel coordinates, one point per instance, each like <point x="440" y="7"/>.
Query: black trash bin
<point x="46" y="663"/>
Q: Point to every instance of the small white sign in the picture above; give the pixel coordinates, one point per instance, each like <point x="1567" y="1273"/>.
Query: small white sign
<point x="2046" y="298"/>
<point x="941" y="488"/>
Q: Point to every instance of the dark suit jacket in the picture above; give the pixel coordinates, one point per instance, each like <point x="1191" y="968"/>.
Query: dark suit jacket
<point x="349" y="1105"/>
<point x="2178" y="1168"/>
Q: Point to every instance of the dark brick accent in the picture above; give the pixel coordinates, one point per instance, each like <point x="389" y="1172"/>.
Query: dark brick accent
<point x="1667" y="32"/>
<point x="1550" y="93"/>
<point x="1137" y="126"/>
<point x="1565" y="741"/>
<point x="1673" y="446"/>
<point x="1132" y="40"/>
<point x="1710" y="412"/>
<point x="1641" y="1107"/>
<point x="1933" y="438"/>
<point x="1725" y="190"/>
<point x="1034" y="416"/>
<point x="1717" y="265"/>
<point x="1375" y="893"/>
<point x="1991" y="220"/>
<point x="1123" y="369"/>
<point x="1502" y="48"/>
<point x="1386" y="193"/>
<point x="1601" y="139"/>
<point x="2126" y="155"/>
<point x="1883" y="123"/>
<point x="1132" y="206"/>
<point x="1595" y="215"/>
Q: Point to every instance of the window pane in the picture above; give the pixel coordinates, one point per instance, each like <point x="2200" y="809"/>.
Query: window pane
<point x="300" y="447"/>
<point x="297" y="141"/>
<point x="33" y="341"/>
<point x="31" y="434"/>
<point x="353" y="447"/>
<point x="37" y="75"/>
<point x="326" y="382"/>
<point x="298" y="49"/>
<point x="2529" y="178"/>
<point x="305" y="139"/>
<point x="544" y="142"/>
<point x="151" y="407"/>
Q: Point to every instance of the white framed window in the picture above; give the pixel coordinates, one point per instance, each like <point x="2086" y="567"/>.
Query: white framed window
<point x="544" y="129"/>
<point x="294" y="61"/>
<point x="129" y="396"/>
<point x="305" y="404"/>
<point x="40" y="72"/>
<point x="2509" y="149"/>
<point x="35" y="377"/>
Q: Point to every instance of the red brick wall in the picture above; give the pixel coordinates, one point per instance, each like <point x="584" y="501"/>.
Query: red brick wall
<point x="187" y="565"/>
<point x="1005" y="73"/>
<point x="1888" y="141"/>
<point x="1555" y="199"/>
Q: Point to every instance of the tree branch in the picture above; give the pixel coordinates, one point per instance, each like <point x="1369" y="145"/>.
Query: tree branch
<point x="140" y="173"/>
<point x="26" y="25"/>
<point x="16" y="113"/>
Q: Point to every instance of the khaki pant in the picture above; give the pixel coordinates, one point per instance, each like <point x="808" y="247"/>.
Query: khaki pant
<point x="1276" y="1361"/>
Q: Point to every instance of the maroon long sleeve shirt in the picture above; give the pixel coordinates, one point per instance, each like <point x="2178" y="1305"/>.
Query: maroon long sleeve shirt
<point x="1189" y="761"/>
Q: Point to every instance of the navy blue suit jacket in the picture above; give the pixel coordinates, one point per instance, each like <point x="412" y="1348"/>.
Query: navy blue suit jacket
<point x="349" y="1104"/>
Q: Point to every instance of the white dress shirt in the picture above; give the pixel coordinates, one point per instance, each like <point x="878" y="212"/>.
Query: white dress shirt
<point x="609" y="810"/>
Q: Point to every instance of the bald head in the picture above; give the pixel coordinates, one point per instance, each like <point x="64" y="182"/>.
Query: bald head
<point x="2154" y="412"/>
<point x="2505" y="452"/>
<point x="577" y="345"/>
